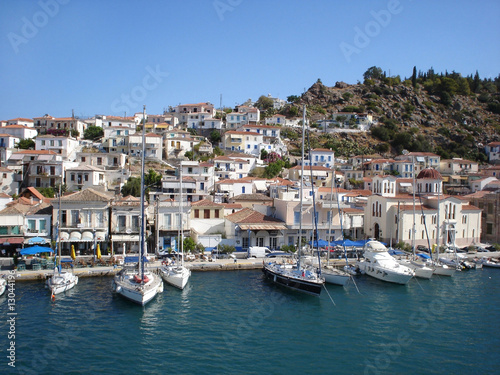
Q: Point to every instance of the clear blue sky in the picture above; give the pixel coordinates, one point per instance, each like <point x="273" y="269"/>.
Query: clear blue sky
<point x="108" y="57"/>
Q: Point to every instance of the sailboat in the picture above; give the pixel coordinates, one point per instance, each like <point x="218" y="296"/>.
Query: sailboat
<point x="420" y="268"/>
<point x="331" y="274"/>
<point x="177" y="274"/>
<point x="135" y="282"/>
<point x="60" y="281"/>
<point x="298" y="277"/>
<point x="3" y="285"/>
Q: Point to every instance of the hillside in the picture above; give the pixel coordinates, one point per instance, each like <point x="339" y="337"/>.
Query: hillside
<point x="446" y="114"/>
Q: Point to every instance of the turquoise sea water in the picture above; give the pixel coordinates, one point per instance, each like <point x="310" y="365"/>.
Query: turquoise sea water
<point x="237" y="323"/>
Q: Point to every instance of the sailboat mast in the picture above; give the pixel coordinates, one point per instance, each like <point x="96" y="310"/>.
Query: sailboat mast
<point x="437" y="222"/>
<point x="414" y="230"/>
<point x="329" y="239"/>
<point x="143" y="216"/>
<point x="58" y="261"/>
<point x="301" y="183"/>
<point x="181" y="244"/>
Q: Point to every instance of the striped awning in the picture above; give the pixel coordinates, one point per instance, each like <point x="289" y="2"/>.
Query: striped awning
<point x="75" y="236"/>
<point x="64" y="236"/>
<point x="87" y="236"/>
<point x="276" y="226"/>
<point x="100" y="236"/>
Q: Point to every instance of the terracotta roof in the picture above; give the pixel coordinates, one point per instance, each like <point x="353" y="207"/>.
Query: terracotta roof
<point x="206" y="203"/>
<point x="242" y="132"/>
<point x="35" y="152"/>
<point x="232" y="205"/>
<point x="252" y="197"/>
<point x="322" y="149"/>
<point x="469" y="207"/>
<point x="249" y="216"/>
<point x="349" y="210"/>
<point x="21" y="119"/>
<point x="16" y="127"/>
<point x="87" y="195"/>
<point x="493" y="144"/>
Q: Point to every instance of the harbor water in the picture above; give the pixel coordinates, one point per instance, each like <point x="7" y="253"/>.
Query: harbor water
<point x="238" y="323"/>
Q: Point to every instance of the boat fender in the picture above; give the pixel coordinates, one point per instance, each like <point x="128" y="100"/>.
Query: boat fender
<point x="118" y="289"/>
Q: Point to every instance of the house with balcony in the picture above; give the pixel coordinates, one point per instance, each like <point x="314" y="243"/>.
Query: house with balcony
<point x="183" y="112"/>
<point x="116" y="139"/>
<point x="39" y="168"/>
<point x="243" y="141"/>
<point x="64" y="146"/>
<point x="52" y="125"/>
<point x="202" y="173"/>
<point x="226" y="189"/>
<point x="492" y="149"/>
<point x="177" y="146"/>
<point x="320" y="157"/>
<point x="25" y="218"/>
<point x="125" y="225"/>
<point x="252" y="113"/>
<point x="246" y="228"/>
<point x="86" y="176"/>
<point x="236" y="120"/>
<point x="170" y="215"/>
<point x="171" y="188"/>
<point x="318" y="175"/>
<point x="211" y="123"/>
<point x="154" y="145"/>
<point x="84" y="221"/>
<point x="232" y="167"/>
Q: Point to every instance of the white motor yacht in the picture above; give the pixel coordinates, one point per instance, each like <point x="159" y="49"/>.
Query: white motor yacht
<point x="378" y="263"/>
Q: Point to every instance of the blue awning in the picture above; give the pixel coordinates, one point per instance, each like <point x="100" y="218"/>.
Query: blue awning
<point x="36" y="250"/>
<point x="396" y="252"/>
<point x="320" y="243"/>
<point x="36" y="241"/>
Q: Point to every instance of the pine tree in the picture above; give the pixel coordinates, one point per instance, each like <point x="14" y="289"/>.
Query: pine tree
<point x="414" y="77"/>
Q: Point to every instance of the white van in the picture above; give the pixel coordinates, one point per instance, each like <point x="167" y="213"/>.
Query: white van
<point x="258" y="251"/>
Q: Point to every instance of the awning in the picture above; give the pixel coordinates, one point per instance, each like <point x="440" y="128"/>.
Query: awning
<point x="100" y="236"/>
<point x="64" y="236"/>
<point x="6" y="241"/>
<point x="260" y="185"/>
<point x="36" y="240"/>
<point x="125" y="237"/>
<point x="276" y="226"/>
<point x="45" y="157"/>
<point x="75" y="236"/>
<point x="87" y="236"/>
<point x="405" y="184"/>
<point x="36" y="250"/>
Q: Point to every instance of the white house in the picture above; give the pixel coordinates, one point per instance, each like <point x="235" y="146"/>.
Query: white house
<point x="64" y="146"/>
<point x="183" y="111"/>
<point x="243" y="141"/>
<point x="85" y="176"/>
<point x="19" y="131"/>
<point x="7" y="140"/>
<point x="154" y="145"/>
<point x="232" y="167"/>
<point x="320" y="157"/>
<point x="8" y="182"/>
<point x="21" y="121"/>
<point x="492" y="149"/>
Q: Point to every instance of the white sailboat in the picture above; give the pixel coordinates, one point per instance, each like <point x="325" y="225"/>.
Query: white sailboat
<point x="135" y="282"/>
<point x="177" y="274"/>
<point x="331" y="274"/>
<point x="299" y="276"/>
<point x="3" y="286"/>
<point x="60" y="281"/>
<point x="378" y="263"/>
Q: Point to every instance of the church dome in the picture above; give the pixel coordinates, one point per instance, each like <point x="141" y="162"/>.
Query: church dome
<point x="430" y="174"/>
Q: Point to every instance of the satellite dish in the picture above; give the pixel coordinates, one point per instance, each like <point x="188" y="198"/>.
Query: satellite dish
<point x="128" y="231"/>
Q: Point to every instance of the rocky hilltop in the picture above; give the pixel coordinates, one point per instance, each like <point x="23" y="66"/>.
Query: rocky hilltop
<point x="442" y="115"/>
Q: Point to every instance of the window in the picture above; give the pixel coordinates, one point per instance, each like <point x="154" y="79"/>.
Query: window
<point x="296" y="217"/>
<point x="122" y="222"/>
<point x="31" y="225"/>
<point x="99" y="161"/>
<point x="86" y="177"/>
<point x="43" y="143"/>
<point x="167" y="219"/>
<point x="196" y="213"/>
<point x="135" y="223"/>
<point x="43" y="225"/>
<point x="489" y="228"/>
<point x="216" y="214"/>
<point x="206" y="214"/>
<point x="72" y="177"/>
<point x="243" y="190"/>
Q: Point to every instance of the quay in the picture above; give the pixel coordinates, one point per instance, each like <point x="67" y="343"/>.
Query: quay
<point x="195" y="266"/>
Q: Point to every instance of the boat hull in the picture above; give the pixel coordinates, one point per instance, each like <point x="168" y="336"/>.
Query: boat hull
<point x="335" y="277"/>
<point x="444" y="270"/>
<point x="384" y="274"/>
<point x="62" y="282"/>
<point x="293" y="282"/>
<point x="3" y="286"/>
<point x="175" y="276"/>
<point x="135" y="292"/>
